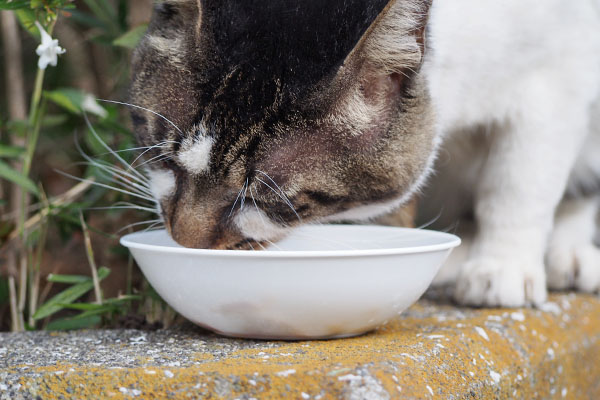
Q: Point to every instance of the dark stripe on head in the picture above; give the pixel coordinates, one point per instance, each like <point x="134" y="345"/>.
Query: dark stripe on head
<point x="323" y="198"/>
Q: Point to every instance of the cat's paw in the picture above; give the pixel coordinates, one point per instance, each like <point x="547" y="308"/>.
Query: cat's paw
<point x="494" y="282"/>
<point x="575" y="266"/>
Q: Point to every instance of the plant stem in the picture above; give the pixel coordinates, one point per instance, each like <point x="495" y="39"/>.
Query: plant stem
<point x="15" y="93"/>
<point x="35" y="275"/>
<point x="90" y="256"/>
<point x="36" y="112"/>
<point x="23" y="262"/>
<point x="57" y="202"/>
<point x="129" y="289"/>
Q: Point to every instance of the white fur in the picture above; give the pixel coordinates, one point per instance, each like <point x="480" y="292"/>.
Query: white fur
<point x="533" y="72"/>
<point x="356" y="115"/>
<point x="162" y="183"/>
<point x="573" y="261"/>
<point x="253" y="223"/>
<point x="171" y="47"/>
<point x="195" y="154"/>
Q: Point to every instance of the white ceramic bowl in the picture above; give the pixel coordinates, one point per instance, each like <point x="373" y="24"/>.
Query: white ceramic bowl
<point x="323" y="281"/>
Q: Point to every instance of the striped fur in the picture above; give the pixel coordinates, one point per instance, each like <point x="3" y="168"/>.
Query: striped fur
<point x="307" y="110"/>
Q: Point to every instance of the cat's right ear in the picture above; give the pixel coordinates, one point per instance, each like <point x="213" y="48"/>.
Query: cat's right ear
<point x="173" y="13"/>
<point x="391" y="50"/>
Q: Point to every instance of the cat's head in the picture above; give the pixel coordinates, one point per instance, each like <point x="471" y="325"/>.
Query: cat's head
<point x="282" y="112"/>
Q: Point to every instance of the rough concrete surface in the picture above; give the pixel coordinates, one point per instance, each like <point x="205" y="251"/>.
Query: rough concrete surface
<point x="433" y="351"/>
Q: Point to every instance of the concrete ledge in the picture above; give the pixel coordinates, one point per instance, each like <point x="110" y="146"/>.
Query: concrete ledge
<point x="432" y="351"/>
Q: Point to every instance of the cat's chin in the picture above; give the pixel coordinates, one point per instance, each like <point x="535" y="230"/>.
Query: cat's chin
<point x="369" y="211"/>
<point x="248" y="244"/>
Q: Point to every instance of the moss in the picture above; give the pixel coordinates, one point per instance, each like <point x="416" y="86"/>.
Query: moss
<point x="452" y="354"/>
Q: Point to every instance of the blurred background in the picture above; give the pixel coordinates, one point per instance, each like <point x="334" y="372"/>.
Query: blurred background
<point x="61" y="266"/>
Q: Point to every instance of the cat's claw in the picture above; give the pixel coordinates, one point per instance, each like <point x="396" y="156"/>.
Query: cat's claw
<point x="500" y="283"/>
<point x="575" y="266"/>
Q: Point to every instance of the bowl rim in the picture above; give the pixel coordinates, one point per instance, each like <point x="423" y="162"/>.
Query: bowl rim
<point x="450" y="241"/>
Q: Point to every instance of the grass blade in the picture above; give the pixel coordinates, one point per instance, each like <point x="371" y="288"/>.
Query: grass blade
<point x="18" y="178"/>
<point x="69" y="279"/>
<point x="68" y="296"/>
<point x="67" y="324"/>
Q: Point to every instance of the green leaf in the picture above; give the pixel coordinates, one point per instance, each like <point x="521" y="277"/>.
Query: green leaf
<point x="66" y="324"/>
<point x="109" y="305"/>
<point x="18" y="178"/>
<point x="52" y="121"/>
<point x="70" y="279"/>
<point x="68" y="295"/>
<point x="131" y="39"/>
<point x="11" y="151"/>
<point x="13" y="4"/>
<point x="69" y="99"/>
<point x="76" y="101"/>
<point x="86" y="306"/>
<point x="27" y="20"/>
<point x="87" y="20"/>
<point x="17" y="128"/>
<point x="105" y="309"/>
<point x="123" y="299"/>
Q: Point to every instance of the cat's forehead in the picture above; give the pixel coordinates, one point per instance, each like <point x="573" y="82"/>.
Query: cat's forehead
<point x="262" y="58"/>
<point x="296" y="39"/>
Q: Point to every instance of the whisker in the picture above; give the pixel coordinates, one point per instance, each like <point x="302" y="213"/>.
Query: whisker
<point x="104" y="164"/>
<point x="106" y="186"/>
<point x="138" y="224"/>
<point x="107" y="147"/>
<point x="250" y="244"/>
<point x="432" y="221"/>
<point x="452" y="228"/>
<point x="160" y="225"/>
<point x="147" y="150"/>
<point x="117" y="178"/>
<point x="142" y="108"/>
<point x="118" y="171"/>
<point x="281" y="197"/>
<point x="244" y="196"/>
<point x="261" y="246"/>
<point x="273" y="244"/>
<point x="154" y="159"/>
<point x="236" y="200"/>
<point x="257" y="209"/>
<point x="282" y="193"/>
<point x="136" y="148"/>
<point x="140" y="208"/>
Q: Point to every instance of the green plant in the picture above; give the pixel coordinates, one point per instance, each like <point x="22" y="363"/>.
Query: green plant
<point x="35" y="138"/>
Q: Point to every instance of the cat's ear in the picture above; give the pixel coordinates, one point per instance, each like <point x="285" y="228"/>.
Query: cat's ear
<point x="392" y="48"/>
<point x="174" y="13"/>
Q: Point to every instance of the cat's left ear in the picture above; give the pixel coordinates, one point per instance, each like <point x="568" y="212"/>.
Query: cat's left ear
<point x="392" y="48"/>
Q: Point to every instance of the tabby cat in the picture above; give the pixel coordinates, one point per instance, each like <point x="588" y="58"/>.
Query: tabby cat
<point x="281" y="113"/>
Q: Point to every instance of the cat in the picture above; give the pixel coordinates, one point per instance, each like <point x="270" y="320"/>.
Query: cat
<point x="275" y="114"/>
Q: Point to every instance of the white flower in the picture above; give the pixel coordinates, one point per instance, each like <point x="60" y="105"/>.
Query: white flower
<point x="91" y="105"/>
<point x="48" y="50"/>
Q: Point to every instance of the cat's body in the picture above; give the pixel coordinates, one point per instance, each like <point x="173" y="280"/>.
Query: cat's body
<point x="514" y="84"/>
<point x="297" y="133"/>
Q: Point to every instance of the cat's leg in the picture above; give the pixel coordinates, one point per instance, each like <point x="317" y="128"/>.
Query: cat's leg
<point x="450" y="271"/>
<point x="573" y="260"/>
<point x="521" y="184"/>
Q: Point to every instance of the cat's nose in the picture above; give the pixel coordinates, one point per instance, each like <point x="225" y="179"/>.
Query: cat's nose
<point x="193" y="240"/>
<point x="200" y="239"/>
<point x="202" y="231"/>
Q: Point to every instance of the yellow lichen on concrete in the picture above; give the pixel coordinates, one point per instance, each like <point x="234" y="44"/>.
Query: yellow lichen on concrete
<point x="435" y="351"/>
